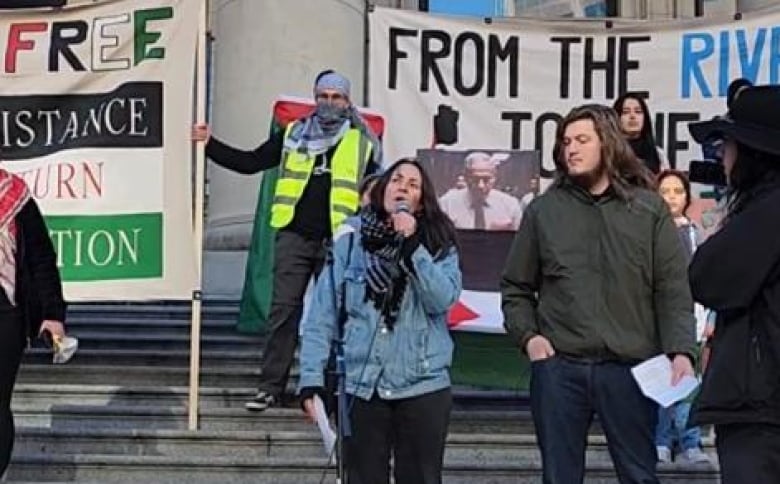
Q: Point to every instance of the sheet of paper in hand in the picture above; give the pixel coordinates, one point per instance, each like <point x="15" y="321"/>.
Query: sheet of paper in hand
<point x="654" y="377"/>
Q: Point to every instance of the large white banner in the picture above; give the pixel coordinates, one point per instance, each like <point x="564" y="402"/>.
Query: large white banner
<point x="95" y="108"/>
<point x="504" y="86"/>
<point x="510" y="81"/>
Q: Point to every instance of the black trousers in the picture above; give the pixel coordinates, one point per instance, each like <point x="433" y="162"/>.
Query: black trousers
<point x="748" y="453"/>
<point x="413" y="430"/>
<point x="11" y="349"/>
<point x="565" y="395"/>
<point x="296" y="260"/>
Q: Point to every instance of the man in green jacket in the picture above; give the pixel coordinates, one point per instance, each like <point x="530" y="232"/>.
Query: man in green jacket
<point x="596" y="281"/>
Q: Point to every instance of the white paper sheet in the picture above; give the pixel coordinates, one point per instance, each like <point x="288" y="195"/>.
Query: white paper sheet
<point x="654" y="377"/>
<point x="321" y="418"/>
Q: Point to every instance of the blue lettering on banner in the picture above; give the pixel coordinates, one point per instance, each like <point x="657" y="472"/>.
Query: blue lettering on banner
<point x="691" y="62"/>
<point x="774" y="55"/>
<point x="750" y="61"/>
<point x="701" y="50"/>
<point x="723" y="65"/>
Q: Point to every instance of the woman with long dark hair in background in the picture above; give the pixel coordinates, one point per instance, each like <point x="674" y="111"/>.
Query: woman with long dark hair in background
<point x="637" y="126"/>
<point x="398" y="274"/>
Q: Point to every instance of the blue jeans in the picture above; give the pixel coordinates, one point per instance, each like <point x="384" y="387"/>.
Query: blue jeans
<point x="566" y="394"/>
<point x="672" y="426"/>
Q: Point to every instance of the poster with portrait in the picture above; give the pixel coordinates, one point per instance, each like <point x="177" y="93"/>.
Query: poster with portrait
<point x="484" y="192"/>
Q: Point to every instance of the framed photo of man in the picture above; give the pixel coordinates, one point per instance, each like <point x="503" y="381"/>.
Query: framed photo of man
<point x="485" y="190"/>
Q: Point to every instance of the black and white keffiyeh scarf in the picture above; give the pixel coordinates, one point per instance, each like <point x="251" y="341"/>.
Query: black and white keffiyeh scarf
<point x="386" y="279"/>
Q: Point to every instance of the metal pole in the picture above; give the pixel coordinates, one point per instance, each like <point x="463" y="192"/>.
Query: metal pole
<point x="197" y="223"/>
<point x="368" y="7"/>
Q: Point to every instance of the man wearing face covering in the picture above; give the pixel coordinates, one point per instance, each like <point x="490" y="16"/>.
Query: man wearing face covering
<point x="322" y="159"/>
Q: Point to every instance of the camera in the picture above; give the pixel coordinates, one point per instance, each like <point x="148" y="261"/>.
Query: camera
<point x="707" y="172"/>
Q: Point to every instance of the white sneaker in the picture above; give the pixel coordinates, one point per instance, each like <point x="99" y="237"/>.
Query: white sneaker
<point x="695" y="456"/>
<point x="664" y="454"/>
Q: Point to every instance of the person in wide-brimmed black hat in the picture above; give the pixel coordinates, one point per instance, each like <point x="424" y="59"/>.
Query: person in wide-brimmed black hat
<point x="736" y="272"/>
<point x="751" y="120"/>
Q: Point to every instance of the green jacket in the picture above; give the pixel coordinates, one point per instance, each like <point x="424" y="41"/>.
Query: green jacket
<point x="600" y="278"/>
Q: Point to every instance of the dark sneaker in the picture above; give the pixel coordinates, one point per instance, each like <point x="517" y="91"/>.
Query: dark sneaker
<point x="262" y="401"/>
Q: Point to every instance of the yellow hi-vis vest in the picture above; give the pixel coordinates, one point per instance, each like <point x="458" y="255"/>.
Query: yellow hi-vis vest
<point x="346" y="170"/>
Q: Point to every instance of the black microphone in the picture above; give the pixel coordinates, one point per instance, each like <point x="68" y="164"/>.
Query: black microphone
<point x="402" y="206"/>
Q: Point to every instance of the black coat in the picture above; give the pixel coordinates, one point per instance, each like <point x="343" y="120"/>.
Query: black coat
<point x="736" y="272"/>
<point x="38" y="285"/>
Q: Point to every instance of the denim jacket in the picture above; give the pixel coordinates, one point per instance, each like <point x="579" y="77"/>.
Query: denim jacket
<point x="410" y="360"/>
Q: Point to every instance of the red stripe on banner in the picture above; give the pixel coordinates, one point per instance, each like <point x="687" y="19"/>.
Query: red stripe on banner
<point x="460" y="313"/>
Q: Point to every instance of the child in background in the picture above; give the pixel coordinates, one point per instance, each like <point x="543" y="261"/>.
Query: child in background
<point x="675" y="189"/>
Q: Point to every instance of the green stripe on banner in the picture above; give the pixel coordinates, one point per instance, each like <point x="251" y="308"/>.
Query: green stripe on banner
<point x="258" y="279"/>
<point x="108" y="247"/>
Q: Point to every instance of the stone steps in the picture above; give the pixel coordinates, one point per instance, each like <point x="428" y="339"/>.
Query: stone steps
<point x="490" y="449"/>
<point x="246" y="357"/>
<point x="260" y="469"/>
<point x="167" y="310"/>
<point x="64" y="416"/>
<point x="226" y="397"/>
<point x="130" y="376"/>
<point x="31" y="394"/>
<point x="129" y="338"/>
<point x="117" y="413"/>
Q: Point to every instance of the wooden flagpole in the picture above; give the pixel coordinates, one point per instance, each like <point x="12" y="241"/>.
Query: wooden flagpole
<point x="200" y="176"/>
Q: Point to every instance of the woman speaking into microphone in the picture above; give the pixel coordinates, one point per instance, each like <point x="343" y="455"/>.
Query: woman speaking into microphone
<point x="396" y="273"/>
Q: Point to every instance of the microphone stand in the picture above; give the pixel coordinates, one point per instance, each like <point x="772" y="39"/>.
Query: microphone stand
<point x="343" y="429"/>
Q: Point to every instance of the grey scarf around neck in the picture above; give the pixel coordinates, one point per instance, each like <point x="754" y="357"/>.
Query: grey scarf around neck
<point x="313" y="137"/>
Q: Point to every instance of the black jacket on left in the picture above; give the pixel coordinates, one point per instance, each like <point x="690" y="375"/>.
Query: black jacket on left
<point x="736" y="272"/>
<point x="38" y="285"/>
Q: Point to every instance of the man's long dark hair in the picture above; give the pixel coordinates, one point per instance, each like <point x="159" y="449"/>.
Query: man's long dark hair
<point x="623" y="168"/>
<point x="434" y="227"/>
<point x="753" y="173"/>
<point x="644" y="145"/>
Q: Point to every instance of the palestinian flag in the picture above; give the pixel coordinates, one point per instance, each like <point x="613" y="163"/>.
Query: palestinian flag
<point x="258" y="281"/>
<point x="482" y="258"/>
